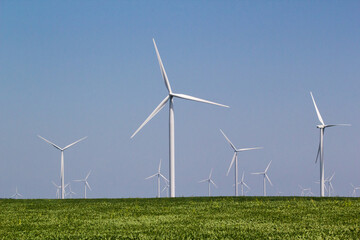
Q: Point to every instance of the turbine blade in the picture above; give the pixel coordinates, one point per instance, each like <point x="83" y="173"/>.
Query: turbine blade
<point x="268" y="179"/>
<point x="157" y="109"/>
<point x="242" y="178"/>
<point x="54" y="184"/>
<point x="258" y="173"/>
<point x="268" y="166"/>
<point x="164" y="177"/>
<point x="210" y="173"/>
<point x="213" y="183"/>
<point x="246" y="185"/>
<point x="159" y="166"/>
<point x="247" y="149"/>
<point x="331" y="177"/>
<point x="164" y="189"/>
<point x="87" y="175"/>
<point x="54" y="145"/>
<point x="335" y="125"/>
<point x="227" y="139"/>
<point x="87" y="184"/>
<point x="78" y="180"/>
<point x="74" y="143"/>
<point x="205" y="180"/>
<point x="317" y="110"/>
<point x="187" y="97"/>
<point x="151" y="176"/>
<point x="162" y="69"/>
<point x="232" y="162"/>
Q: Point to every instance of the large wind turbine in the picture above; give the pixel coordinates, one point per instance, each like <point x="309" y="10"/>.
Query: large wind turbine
<point x="17" y="194"/>
<point x="62" y="161"/>
<point x="169" y="98"/>
<point x="320" y="152"/>
<point x="86" y="184"/>
<point x="210" y="181"/>
<point x="158" y="175"/>
<point x="266" y="177"/>
<point x="235" y="159"/>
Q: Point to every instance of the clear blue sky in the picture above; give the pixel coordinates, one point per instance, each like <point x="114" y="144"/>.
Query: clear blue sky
<point x="70" y="69"/>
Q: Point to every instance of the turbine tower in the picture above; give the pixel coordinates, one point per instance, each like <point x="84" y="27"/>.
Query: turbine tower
<point x="62" y="161"/>
<point x="210" y="181"/>
<point x="320" y="152"/>
<point x="86" y="184"/>
<point x="158" y="175"/>
<point x="235" y="159"/>
<point x="169" y="98"/>
<point x="266" y="177"/>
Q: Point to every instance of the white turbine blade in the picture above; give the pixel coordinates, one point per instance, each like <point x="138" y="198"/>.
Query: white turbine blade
<point x="232" y="162"/>
<point x="268" y="166"/>
<point x="151" y="176"/>
<point x="14" y="195"/>
<point x="227" y="139"/>
<point x="162" y="69"/>
<point x="54" y="145"/>
<point x="317" y="110"/>
<point x="157" y="109"/>
<point x="20" y="195"/>
<point x="268" y="179"/>
<point x="210" y="173"/>
<point x="164" y="177"/>
<point x="159" y="166"/>
<point x="342" y="124"/>
<point x="188" y="97"/>
<point x="87" y="184"/>
<point x="331" y="177"/>
<point x="164" y="189"/>
<point x="79" y="180"/>
<point x="258" y="173"/>
<point x="55" y="184"/>
<point x="66" y="185"/>
<point x="242" y="178"/>
<point x="213" y="183"/>
<point x="74" y="143"/>
<point x="205" y="180"/>
<point x="246" y="185"/>
<point x="247" y="149"/>
<point x="331" y="186"/>
<point x="87" y="175"/>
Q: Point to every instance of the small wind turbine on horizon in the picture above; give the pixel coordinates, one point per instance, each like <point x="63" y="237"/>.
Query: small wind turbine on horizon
<point x="320" y="152"/>
<point x="58" y="189"/>
<point x="158" y="175"/>
<point x="243" y="184"/>
<point x="86" y="184"/>
<point x="62" y="174"/>
<point x="354" y="189"/>
<point x="330" y="186"/>
<point x="17" y="194"/>
<point x="305" y="191"/>
<point x="210" y="181"/>
<point x="70" y="193"/>
<point x="235" y="159"/>
<point x="169" y="98"/>
<point x="266" y="177"/>
<point x="166" y="188"/>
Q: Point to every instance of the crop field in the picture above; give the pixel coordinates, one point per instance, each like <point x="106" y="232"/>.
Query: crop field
<point x="182" y="218"/>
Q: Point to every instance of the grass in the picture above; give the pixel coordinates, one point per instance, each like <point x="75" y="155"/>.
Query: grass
<point x="182" y="218"/>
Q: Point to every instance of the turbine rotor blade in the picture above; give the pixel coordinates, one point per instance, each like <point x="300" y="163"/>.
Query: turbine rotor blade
<point x="164" y="177"/>
<point x="87" y="175"/>
<point x="188" y="97"/>
<point x="205" y="180"/>
<point x="268" y="166"/>
<point x="268" y="179"/>
<point x="151" y="176"/>
<point x="317" y="110"/>
<point x="87" y="184"/>
<point x="232" y="162"/>
<point x="157" y="109"/>
<point x="74" y="143"/>
<point x="53" y="144"/>
<point x="213" y="183"/>
<point x="247" y="149"/>
<point x="159" y="166"/>
<point x="227" y="139"/>
<point x="210" y="173"/>
<point x="246" y="185"/>
<point x="162" y="69"/>
<point x="342" y="124"/>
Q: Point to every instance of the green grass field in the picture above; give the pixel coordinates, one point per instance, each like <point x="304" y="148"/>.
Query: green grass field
<point x="182" y="218"/>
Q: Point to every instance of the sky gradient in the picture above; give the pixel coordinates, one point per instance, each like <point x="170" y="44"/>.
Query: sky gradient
<point x="70" y="69"/>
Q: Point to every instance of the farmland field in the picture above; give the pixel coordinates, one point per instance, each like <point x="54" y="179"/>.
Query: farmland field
<point x="182" y="218"/>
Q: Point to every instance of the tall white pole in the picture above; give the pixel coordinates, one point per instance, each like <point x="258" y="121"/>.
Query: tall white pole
<point x="236" y="176"/>
<point x="209" y="188"/>
<point x="322" y="184"/>
<point x="158" y="186"/>
<point x="62" y="176"/>
<point x="171" y="147"/>
<point x="85" y="190"/>
<point x="242" y="189"/>
<point x="264" y="185"/>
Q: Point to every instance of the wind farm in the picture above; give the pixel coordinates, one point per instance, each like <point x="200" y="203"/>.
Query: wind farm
<point x="71" y="69"/>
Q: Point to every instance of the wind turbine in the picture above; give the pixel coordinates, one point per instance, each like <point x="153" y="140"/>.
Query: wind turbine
<point x="330" y="186"/>
<point x="235" y="159"/>
<point x="266" y="177"/>
<point x="242" y="183"/>
<point x="158" y="175"/>
<point x="166" y="188"/>
<point x="320" y="152"/>
<point x="305" y="191"/>
<point x="62" y="161"/>
<point x="354" y="190"/>
<point x="17" y="194"/>
<point x="58" y="189"/>
<point x="86" y="184"/>
<point x="210" y="181"/>
<point x="169" y="98"/>
<point x="70" y="193"/>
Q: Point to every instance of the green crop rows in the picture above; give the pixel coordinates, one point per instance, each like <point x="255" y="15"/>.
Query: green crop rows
<point x="182" y="218"/>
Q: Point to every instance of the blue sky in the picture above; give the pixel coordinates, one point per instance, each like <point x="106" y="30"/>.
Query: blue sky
<point x="70" y="69"/>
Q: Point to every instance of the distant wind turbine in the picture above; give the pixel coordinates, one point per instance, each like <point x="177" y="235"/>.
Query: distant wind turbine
<point x="266" y="177"/>
<point x="330" y="186"/>
<point x="166" y="188"/>
<point x="169" y="98"/>
<point x="58" y="189"/>
<point x="17" y="194"/>
<point x="354" y="190"/>
<point x="210" y="181"/>
<point x="70" y="193"/>
<point x="62" y="161"/>
<point x="305" y="191"/>
<point x="86" y="184"/>
<point x="158" y="175"/>
<point x="320" y="152"/>
<point x="242" y="184"/>
<point x="235" y="159"/>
